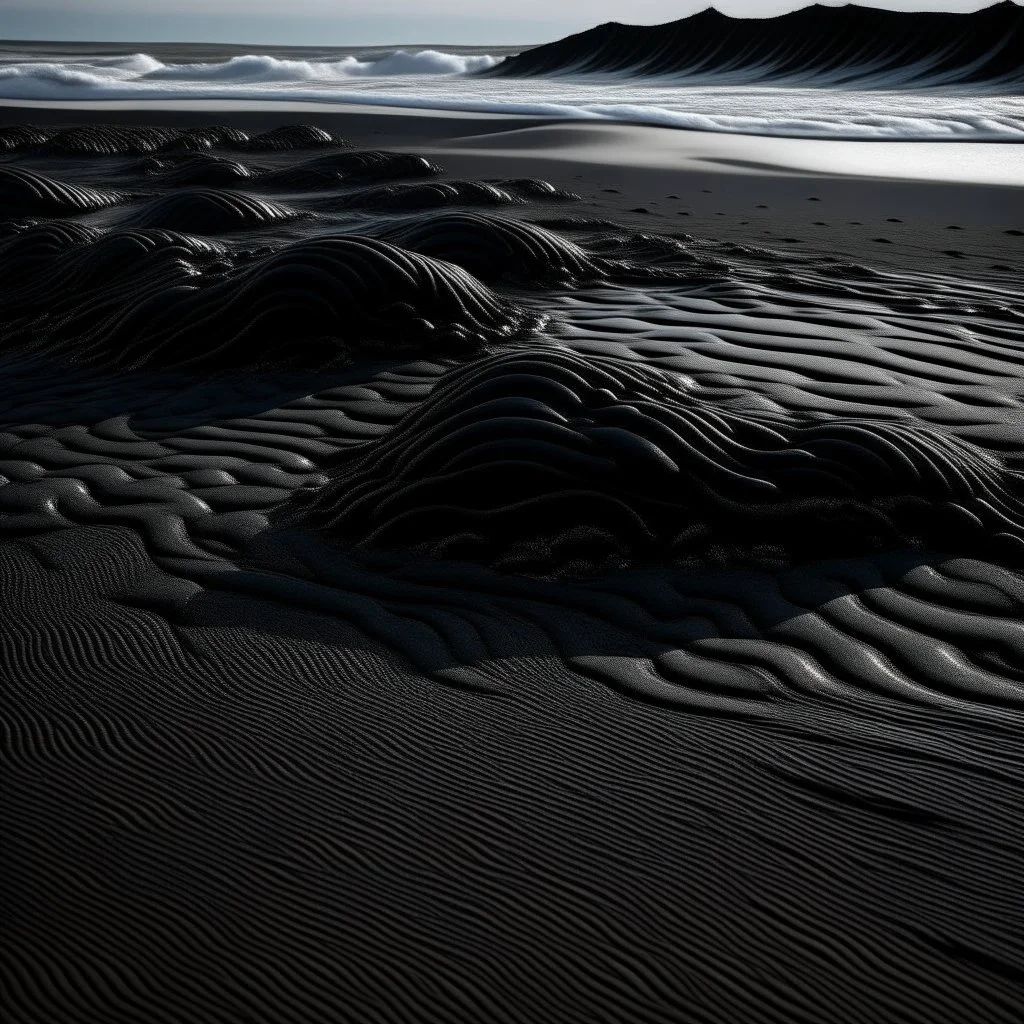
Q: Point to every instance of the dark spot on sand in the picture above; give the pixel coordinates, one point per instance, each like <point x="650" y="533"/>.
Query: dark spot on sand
<point x="789" y="239"/>
<point x="955" y="253"/>
<point x="883" y="241"/>
<point x="683" y="213"/>
<point x="671" y="197"/>
<point x="856" y="223"/>
<point x="813" y="199"/>
<point x="1015" y="232"/>
<point x="893" y="220"/>
<point x="953" y="227"/>
<point x="820" y="224"/>
<point x="761" y="206"/>
<point x="1002" y="266"/>
<point x="612" y="191"/>
<point x="706" y="190"/>
<point x="639" y="209"/>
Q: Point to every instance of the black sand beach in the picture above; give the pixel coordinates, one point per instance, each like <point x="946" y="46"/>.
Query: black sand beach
<point x="462" y="568"/>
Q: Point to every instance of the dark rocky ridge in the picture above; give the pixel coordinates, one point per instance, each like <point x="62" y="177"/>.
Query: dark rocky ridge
<point x="846" y="45"/>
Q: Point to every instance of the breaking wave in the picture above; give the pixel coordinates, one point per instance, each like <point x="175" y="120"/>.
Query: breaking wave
<point x="859" y="74"/>
<point x="137" y="73"/>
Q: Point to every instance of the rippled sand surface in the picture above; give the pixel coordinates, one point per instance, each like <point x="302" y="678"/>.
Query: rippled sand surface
<point x="441" y="597"/>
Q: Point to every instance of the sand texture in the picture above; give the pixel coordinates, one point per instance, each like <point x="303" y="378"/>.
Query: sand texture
<point x="460" y="569"/>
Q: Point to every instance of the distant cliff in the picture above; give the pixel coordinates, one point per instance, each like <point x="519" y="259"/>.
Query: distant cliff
<point x="817" y="45"/>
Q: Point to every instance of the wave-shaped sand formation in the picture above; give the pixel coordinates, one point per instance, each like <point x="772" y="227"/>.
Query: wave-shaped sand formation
<point x="21" y="136"/>
<point x="58" y="268"/>
<point x="197" y="140"/>
<point x="200" y="169"/>
<point x="846" y="45"/>
<point x="32" y="255"/>
<point x="310" y="303"/>
<point x="107" y="140"/>
<point x="24" y="193"/>
<point x="353" y="166"/>
<point x="210" y="210"/>
<point x="534" y="253"/>
<point x="496" y="248"/>
<point x="719" y="643"/>
<point x="291" y="137"/>
<point x="435" y="195"/>
<point x="134" y="140"/>
<point x="551" y="460"/>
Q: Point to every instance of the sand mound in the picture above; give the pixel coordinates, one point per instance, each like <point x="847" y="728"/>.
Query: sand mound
<point x="291" y="137"/>
<point x="549" y="461"/>
<point x="356" y="166"/>
<point x="210" y="211"/>
<point x="21" y="136"/>
<point x="198" y="170"/>
<point x="494" y="248"/>
<point x="24" y="192"/>
<point x="107" y="140"/>
<point x="143" y="299"/>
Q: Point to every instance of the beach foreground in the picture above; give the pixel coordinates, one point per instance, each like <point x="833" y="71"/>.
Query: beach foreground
<point x="465" y="568"/>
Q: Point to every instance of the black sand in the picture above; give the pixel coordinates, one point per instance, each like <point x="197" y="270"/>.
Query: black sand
<point x="432" y="592"/>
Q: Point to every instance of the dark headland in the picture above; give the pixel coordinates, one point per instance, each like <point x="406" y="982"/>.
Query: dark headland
<point x="842" y="45"/>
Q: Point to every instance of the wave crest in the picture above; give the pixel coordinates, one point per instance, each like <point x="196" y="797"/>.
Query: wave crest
<point x="264" y="68"/>
<point x="126" y="76"/>
<point x="865" y="98"/>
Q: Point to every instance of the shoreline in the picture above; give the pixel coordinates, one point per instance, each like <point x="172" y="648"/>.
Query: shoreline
<point x="942" y="205"/>
<point x="330" y="109"/>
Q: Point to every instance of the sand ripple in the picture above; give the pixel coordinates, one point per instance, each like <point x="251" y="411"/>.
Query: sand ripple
<point x="438" y="616"/>
<point x="26" y="192"/>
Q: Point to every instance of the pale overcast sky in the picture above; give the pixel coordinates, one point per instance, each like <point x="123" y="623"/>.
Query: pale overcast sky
<point x="363" y="22"/>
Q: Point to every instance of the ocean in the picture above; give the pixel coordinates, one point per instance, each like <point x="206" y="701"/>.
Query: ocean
<point x="445" y="77"/>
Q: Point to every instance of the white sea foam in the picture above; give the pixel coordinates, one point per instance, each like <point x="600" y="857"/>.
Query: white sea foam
<point x="261" y="68"/>
<point x="434" y="79"/>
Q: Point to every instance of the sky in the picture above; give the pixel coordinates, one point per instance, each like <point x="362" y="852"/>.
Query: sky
<point x="366" y="22"/>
